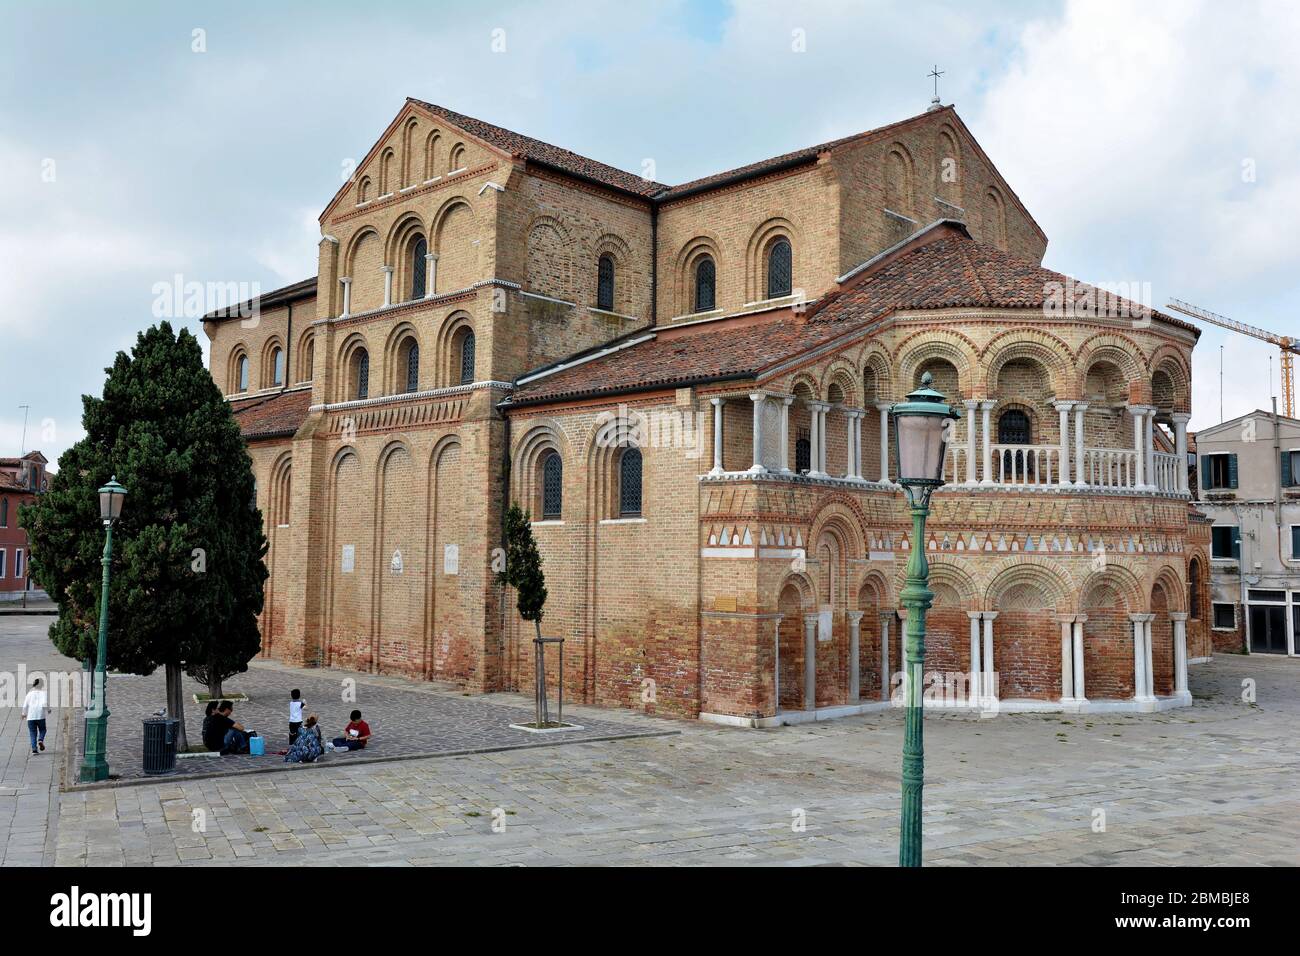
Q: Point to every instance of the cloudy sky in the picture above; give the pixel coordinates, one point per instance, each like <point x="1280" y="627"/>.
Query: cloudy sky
<point x="1156" y="142"/>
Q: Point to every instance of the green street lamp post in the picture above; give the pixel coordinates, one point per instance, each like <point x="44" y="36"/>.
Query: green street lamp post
<point x="94" y="762"/>
<point x="921" y="430"/>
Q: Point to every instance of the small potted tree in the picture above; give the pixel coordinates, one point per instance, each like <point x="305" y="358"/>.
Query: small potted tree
<point x="523" y="572"/>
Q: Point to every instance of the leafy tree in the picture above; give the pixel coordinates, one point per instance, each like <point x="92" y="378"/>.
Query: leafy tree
<point x="188" y="569"/>
<point x="523" y="572"/>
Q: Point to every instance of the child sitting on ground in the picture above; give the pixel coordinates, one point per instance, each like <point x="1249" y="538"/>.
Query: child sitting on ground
<point x="355" y="734"/>
<point x="308" y="746"/>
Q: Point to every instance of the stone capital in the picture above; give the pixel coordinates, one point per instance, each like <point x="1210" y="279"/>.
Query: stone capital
<point x="855" y="616"/>
<point x="990" y="615"/>
<point x="1141" y="618"/>
<point x="974" y="615"/>
<point x="1064" y="405"/>
<point x="1180" y="417"/>
<point x="1178" y="615"/>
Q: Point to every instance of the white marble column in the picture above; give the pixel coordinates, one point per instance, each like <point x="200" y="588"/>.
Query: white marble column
<point x="850" y="448"/>
<point x="883" y="408"/>
<point x="388" y="285"/>
<point x="717" y="435"/>
<point x="1067" y="657"/>
<point x="1146" y="649"/>
<point x="823" y="445"/>
<point x="1180" y="654"/>
<point x="1180" y="420"/>
<point x="990" y="684"/>
<point x="1139" y="444"/>
<point x="1063" y="472"/>
<point x="976" y="672"/>
<point x="1080" y="693"/>
<point x="856" y="420"/>
<point x="971" y="406"/>
<point x="430" y="274"/>
<point x="1080" y="476"/>
<point x="814" y="440"/>
<point x="1150" y="447"/>
<point x="810" y="662"/>
<point x="760" y="402"/>
<point x="1141" y="657"/>
<point x="986" y="407"/>
<point x="855" y="621"/>
<point x="347" y="297"/>
<point x="885" y="618"/>
<point x="785" y="434"/>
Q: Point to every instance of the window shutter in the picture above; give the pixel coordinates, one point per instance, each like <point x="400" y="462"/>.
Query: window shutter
<point x="1287" y="478"/>
<point x="1207" y="480"/>
<point x="1232" y="470"/>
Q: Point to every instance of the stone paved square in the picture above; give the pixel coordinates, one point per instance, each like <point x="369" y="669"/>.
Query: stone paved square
<point x="1212" y="784"/>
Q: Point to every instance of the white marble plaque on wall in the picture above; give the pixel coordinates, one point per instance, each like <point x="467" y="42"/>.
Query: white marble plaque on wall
<point x="451" y="559"/>
<point x="349" y="558"/>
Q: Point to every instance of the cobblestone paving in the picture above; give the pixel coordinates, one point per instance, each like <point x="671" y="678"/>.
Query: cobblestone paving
<point x="407" y="718"/>
<point x="28" y="785"/>
<point x="1213" y="784"/>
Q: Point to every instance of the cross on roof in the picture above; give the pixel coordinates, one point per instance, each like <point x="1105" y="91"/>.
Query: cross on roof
<point x="936" y="73"/>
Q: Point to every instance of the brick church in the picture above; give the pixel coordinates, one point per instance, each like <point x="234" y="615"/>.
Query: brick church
<point x="687" y="387"/>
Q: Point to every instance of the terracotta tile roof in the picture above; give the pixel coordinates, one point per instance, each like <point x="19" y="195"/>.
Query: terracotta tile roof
<point x="955" y="271"/>
<point x="537" y="151"/>
<point x="806" y="154"/>
<point x="304" y="289"/>
<point x="271" y="416"/>
<point x="947" y="269"/>
<point x="706" y="354"/>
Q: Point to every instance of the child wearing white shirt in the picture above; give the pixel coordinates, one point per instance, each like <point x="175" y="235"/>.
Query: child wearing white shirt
<point x="296" y="704"/>
<point x="34" y="705"/>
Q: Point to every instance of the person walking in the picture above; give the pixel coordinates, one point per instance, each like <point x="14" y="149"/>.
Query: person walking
<point x="34" y="705"/>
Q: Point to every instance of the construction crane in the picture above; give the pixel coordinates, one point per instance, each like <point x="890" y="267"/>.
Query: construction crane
<point x="1289" y="347"/>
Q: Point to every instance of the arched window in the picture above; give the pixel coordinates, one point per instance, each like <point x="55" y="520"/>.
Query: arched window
<point x="418" y="254"/>
<point x="629" y="483"/>
<point x="780" y="271"/>
<point x="277" y="366"/>
<point x="467" y="359"/>
<point x="802" y="455"/>
<point x="605" y="283"/>
<point x="1194" y="590"/>
<point x="413" y="366"/>
<point x="552" y="486"/>
<point x="705" y="284"/>
<point x="363" y="373"/>
<point x="243" y="373"/>
<point x="1013" y="428"/>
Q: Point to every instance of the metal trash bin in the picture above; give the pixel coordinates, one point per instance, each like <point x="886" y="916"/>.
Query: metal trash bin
<point x="160" y="735"/>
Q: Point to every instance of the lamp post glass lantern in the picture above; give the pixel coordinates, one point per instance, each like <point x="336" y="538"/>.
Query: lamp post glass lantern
<point x="94" y="762"/>
<point x="922" y="428"/>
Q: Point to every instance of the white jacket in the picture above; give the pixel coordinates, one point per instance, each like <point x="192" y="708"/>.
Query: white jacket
<point x="34" y="704"/>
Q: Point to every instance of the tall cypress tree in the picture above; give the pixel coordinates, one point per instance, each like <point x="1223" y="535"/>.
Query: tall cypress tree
<point x="188" y="569"/>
